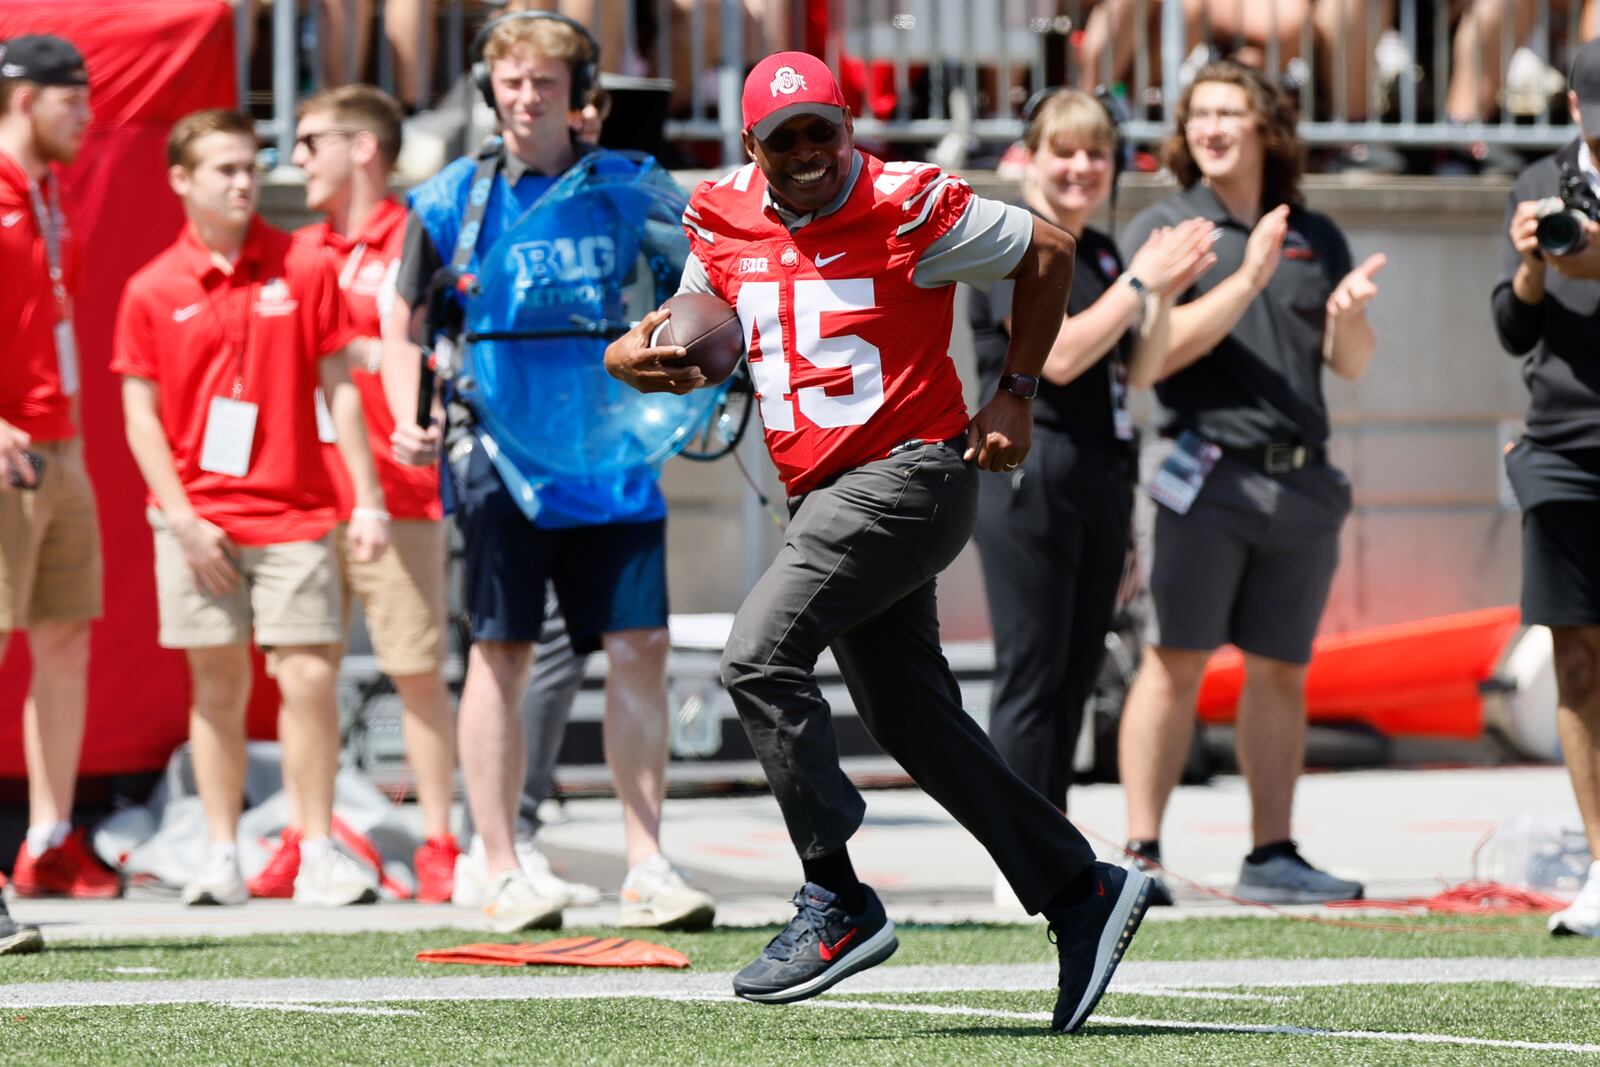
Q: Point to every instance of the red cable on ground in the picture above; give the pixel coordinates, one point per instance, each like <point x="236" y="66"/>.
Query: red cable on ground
<point x="1470" y="898"/>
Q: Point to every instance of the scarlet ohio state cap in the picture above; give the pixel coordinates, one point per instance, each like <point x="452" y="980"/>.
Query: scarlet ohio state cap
<point x="786" y="84"/>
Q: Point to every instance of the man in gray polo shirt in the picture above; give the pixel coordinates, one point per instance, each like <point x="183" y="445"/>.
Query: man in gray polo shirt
<point x="1246" y="534"/>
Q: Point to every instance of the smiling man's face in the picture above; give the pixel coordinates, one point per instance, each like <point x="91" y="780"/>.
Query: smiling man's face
<point x="806" y="160"/>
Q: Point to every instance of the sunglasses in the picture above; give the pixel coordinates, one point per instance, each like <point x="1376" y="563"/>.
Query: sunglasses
<point x="820" y="133"/>
<point x="309" y="141"/>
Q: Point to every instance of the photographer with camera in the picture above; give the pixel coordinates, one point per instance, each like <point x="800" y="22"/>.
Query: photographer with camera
<point x="1547" y="310"/>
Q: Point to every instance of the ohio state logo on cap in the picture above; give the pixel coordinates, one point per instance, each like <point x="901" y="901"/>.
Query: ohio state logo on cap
<point x="785" y="84"/>
<point x="787" y="81"/>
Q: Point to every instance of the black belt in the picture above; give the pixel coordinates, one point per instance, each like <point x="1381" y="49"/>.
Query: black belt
<point x="1277" y="458"/>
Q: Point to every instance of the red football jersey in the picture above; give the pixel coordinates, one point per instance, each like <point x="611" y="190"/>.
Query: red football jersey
<point x="850" y="358"/>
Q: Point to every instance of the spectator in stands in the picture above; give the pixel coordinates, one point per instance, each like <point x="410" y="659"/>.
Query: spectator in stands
<point x="1342" y="32"/>
<point x="1547" y="310"/>
<point x="49" y="537"/>
<point x="222" y="341"/>
<point x="1246" y="534"/>
<point x="611" y="578"/>
<point x="347" y="141"/>
<point x="407" y="27"/>
<point x="1481" y="65"/>
<point x="1053" y="535"/>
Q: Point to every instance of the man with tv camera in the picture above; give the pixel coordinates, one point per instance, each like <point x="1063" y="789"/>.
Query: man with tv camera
<point x="599" y="537"/>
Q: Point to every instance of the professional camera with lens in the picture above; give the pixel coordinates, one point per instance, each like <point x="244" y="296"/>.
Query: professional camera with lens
<point x="1560" y="230"/>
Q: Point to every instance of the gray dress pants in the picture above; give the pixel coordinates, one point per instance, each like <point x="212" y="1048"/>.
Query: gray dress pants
<point x="856" y="574"/>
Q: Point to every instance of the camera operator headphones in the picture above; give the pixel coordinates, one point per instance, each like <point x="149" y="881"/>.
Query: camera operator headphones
<point x="1116" y="113"/>
<point x="585" y="75"/>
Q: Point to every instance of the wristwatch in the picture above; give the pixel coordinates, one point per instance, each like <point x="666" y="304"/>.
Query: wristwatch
<point x="1025" y="386"/>
<point x="1134" y="282"/>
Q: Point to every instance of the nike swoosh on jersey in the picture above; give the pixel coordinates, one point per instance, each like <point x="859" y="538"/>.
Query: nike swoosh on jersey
<point x="185" y="314"/>
<point x="11" y="219"/>
<point x="823" y="261"/>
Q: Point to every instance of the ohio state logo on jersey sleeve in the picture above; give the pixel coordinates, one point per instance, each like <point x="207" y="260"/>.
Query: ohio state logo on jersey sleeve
<point x="849" y="357"/>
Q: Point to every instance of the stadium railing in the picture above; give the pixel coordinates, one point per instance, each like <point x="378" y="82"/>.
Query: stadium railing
<point x="930" y="69"/>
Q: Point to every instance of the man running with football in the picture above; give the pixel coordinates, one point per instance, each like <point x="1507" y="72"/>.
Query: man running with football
<point x="842" y="270"/>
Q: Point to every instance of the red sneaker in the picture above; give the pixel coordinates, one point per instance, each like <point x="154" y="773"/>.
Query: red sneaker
<point x="276" y="879"/>
<point x="68" y="870"/>
<point x="435" y="861"/>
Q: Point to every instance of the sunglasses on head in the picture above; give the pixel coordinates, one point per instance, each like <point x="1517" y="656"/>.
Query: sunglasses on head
<point x="819" y="132"/>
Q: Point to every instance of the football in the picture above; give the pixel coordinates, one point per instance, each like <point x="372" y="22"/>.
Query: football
<point x="709" y="332"/>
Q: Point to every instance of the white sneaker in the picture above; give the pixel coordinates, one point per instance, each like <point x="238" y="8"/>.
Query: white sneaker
<point x="549" y="884"/>
<point x="332" y="878"/>
<point x="515" y="905"/>
<point x="219" y="882"/>
<point x="1582" y="916"/>
<point x="472" y="877"/>
<point x="656" y="895"/>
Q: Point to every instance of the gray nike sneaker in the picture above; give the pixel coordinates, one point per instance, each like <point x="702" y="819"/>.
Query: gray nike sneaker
<point x="1291" y="880"/>
<point x="16" y="939"/>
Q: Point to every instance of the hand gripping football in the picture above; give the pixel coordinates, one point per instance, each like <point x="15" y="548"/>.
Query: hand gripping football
<point x="709" y="332"/>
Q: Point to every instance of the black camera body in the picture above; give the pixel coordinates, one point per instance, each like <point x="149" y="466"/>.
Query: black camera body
<point x="1560" y="231"/>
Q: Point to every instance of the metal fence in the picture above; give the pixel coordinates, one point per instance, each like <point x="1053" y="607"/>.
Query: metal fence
<point x="942" y="67"/>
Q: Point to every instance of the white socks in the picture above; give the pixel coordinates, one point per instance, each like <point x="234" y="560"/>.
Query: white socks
<point x="315" y="849"/>
<point x="222" y="852"/>
<point x="633" y="875"/>
<point x="45" y="836"/>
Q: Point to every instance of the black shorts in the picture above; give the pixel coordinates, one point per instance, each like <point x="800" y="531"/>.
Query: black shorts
<point x="607" y="578"/>
<point x="1561" y="564"/>
<point x="1250" y="564"/>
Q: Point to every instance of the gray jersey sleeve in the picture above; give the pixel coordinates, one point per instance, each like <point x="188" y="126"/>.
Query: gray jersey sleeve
<point x="695" y="279"/>
<point x="983" y="246"/>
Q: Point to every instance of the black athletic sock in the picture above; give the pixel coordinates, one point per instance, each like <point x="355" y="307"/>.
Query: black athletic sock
<point x="1072" y="894"/>
<point x="1150" y="850"/>
<point x="835" y="873"/>
<point x="1272" y="850"/>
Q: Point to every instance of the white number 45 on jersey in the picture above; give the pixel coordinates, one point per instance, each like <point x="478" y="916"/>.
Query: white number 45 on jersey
<point x="758" y="311"/>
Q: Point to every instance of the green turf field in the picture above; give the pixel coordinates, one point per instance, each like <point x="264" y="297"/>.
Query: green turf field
<point x="1443" y="992"/>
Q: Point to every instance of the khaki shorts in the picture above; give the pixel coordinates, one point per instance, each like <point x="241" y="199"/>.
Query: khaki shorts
<point x="289" y="596"/>
<point x="402" y="594"/>
<point x="50" y="543"/>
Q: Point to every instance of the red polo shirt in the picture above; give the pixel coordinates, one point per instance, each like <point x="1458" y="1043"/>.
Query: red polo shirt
<point x="30" y="376"/>
<point x="366" y="264"/>
<point x="195" y="331"/>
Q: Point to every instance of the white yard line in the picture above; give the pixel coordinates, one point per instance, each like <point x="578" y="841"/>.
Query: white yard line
<point x="1225" y="1028"/>
<point x="316" y="1009"/>
<point x="1134" y="976"/>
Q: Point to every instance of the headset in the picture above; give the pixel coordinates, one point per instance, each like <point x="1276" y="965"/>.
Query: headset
<point x="1116" y="112"/>
<point x="585" y="75"/>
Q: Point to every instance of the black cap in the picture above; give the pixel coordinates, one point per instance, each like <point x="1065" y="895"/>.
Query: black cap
<point x="43" y="59"/>
<point x="1584" y="79"/>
